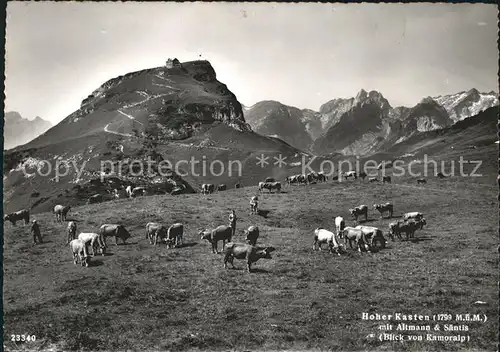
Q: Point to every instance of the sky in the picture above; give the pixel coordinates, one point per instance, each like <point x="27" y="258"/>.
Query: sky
<point x="302" y="55"/>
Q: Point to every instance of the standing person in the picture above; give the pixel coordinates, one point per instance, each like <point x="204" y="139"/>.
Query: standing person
<point x="35" y="230"/>
<point x="254" y="205"/>
<point x="232" y="221"/>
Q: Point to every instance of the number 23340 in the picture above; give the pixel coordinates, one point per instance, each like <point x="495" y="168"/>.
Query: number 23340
<point x="22" y="338"/>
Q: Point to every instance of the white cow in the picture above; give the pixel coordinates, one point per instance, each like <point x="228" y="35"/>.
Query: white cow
<point x="94" y="240"/>
<point x="79" y="250"/>
<point x="413" y="215"/>
<point x="324" y="236"/>
<point x="339" y="224"/>
<point x="129" y="191"/>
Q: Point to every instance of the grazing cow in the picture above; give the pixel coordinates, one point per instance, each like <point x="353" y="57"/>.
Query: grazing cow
<point x="154" y="231"/>
<point x="373" y="235"/>
<point x="245" y="251"/>
<point x="138" y="191"/>
<point x="207" y="188"/>
<point x="61" y="211"/>
<point x="382" y="208"/>
<point x="94" y="240"/>
<point x="79" y="251"/>
<point x="324" y="236"/>
<point x="129" y="191"/>
<point x="221" y="233"/>
<point x="18" y="215"/>
<point x="339" y="224"/>
<point x="96" y="198"/>
<point x="254" y="205"/>
<point x="269" y="179"/>
<point x="350" y="174"/>
<point x="251" y="235"/>
<point x="71" y="230"/>
<point x="357" y="235"/>
<point x="386" y="179"/>
<point x="175" y="235"/>
<point x="421" y="180"/>
<point x="372" y="179"/>
<point x="358" y="211"/>
<point x="413" y="215"/>
<point x="270" y="186"/>
<point x="409" y="228"/>
<point x="114" y="230"/>
<point x="440" y="175"/>
<point x="362" y="175"/>
<point x="221" y="187"/>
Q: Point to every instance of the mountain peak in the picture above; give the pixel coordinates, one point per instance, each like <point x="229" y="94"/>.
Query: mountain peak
<point x="362" y="95"/>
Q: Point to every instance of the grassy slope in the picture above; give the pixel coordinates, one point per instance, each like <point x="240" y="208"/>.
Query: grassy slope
<point x="145" y="298"/>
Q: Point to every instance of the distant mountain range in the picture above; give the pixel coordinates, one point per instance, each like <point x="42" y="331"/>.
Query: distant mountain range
<point x="19" y="130"/>
<point x="364" y="124"/>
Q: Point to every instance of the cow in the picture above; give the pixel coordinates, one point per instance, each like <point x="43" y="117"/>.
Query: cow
<point x="373" y="235"/>
<point x="221" y="233"/>
<point x="94" y="240"/>
<point x="269" y="179"/>
<point x="23" y="214"/>
<point x="358" y="211"/>
<point x="138" y="191"/>
<point x="114" y="230"/>
<point x="176" y="191"/>
<point x="71" y="230"/>
<point x="245" y="251"/>
<point x="372" y="179"/>
<point x="413" y="215"/>
<point x="394" y="229"/>
<point x="386" y="179"/>
<point x="353" y="234"/>
<point x="254" y="205"/>
<point x="322" y="177"/>
<point x="421" y="181"/>
<point x="221" y="187"/>
<point x="270" y="186"/>
<point x="238" y="185"/>
<point x="339" y="224"/>
<point x="79" y="251"/>
<point x="302" y="179"/>
<point x="251" y="235"/>
<point x="348" y="174"/>
<point x="175" y="235"/>
<point x="61" y="211"/>
<point x="129" y="191"/>
<point x="207" y="188"/>
<point x="409" y="228"/>
<point x="382" y="208"/>
<point x="154" y="231"/>
<point x="362" y="175"/>
<point x="96" y="198"/>
<point x="440" y="175"/>
<point x="120" y="193"/>
<point x="324" y="236"/>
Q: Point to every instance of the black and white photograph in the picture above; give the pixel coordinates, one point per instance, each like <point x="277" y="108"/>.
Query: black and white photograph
<point x="250" y="176"/>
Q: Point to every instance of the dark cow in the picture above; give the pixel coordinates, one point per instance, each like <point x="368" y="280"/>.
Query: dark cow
<point x="221" y="187"/>
<point x="362" y="175"/>
<point x="270" y="186"/>
<point x="238" y="185"/>
<point x="421" y="181"/>
<point x="96" y="198"/>
<point x="207" y="188"/>
<point x="386" y="179"/>
<point x="245" y="251"/>
<point x="114" y="230"/>
<point x="17" y="216"/>
<point x="358" y="211"/>
<point x="382" y="208"/>
<point x="221" y="233"/>
<point x="251" y="235"/>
